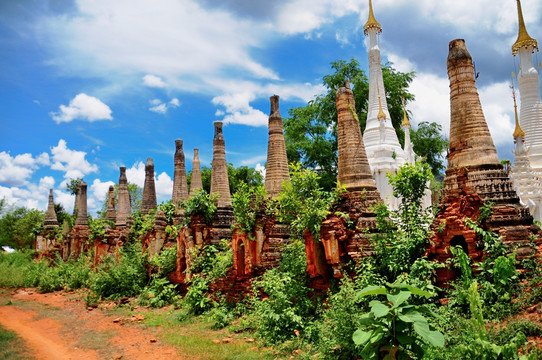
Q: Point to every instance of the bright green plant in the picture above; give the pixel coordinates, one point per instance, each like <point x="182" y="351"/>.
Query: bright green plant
<point x="303" y="204"/>
<point x="169" y="210"/>
<point x="247" y="201"/>
<point x="159" y="293"/>
<point x="394" y="329"/>
<point x="98" y="229"/>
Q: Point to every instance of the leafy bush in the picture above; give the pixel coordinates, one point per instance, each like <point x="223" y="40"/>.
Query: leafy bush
<point x="303" y="204"/>
<point x="285" y="307"/>
<point x="98" y="229"/>
<point x="124" y="277"/>
<point x="159" y="293"/>
<point x="165" y="262"/>
<point x="200" y="203"/>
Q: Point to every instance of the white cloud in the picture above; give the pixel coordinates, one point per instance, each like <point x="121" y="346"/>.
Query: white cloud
<point x="33" y="195"/>
<point x="261" y="169"/>
<point x="239" y="111"/>
<point x="16" y="171"/>
<point x="72" y="162"/>
<point x="498" y="108"/>
<point x="161" y="107"/>
<point x="136" y="174"/>
<point x="83" y="107"/>
<point x="153" y="81"/>
<point x="254" y="160"/>
<point x="97" y="194"/>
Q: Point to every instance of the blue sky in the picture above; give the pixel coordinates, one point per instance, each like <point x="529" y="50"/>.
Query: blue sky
<point x="87" y="86"/>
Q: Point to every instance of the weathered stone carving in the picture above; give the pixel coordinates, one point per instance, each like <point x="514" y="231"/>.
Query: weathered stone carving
<point x="50" y="221"/>
<point x="149" y="189"/>
<point x="220" y="183"/>
<point x="82" y="214"/>
<point x="354" y="171"/>
<point x="474" y="176"/>
<point x="180" y="187"/>
<point x="195" y="183"/>
<point x="124" y="208"/>
<point x="111" y="214"/>
<point x="277" y="162"/>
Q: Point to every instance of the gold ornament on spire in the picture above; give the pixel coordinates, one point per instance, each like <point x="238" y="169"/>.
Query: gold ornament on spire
<point x="371" y="23"/>
<point x="405" y="122"/>
<point x="518" y="132"/>
<point x="524" y="40"/>
<point x="381" y="114"/>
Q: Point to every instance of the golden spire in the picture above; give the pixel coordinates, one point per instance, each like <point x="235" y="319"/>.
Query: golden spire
<point x="405" y="118"/>
<point x="524" y="40"/>
<point x="517" y="132"/>
<point x="371" y="23"/>
<point x="381" y="115"/>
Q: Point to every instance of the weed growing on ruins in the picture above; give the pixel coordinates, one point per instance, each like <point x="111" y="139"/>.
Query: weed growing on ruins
<point x="200" y="203"/>
<point x="247" y="201"/>
<point x="303" y="203"/>
<point x="169" y="210"/>
<point x="98" y="229"/>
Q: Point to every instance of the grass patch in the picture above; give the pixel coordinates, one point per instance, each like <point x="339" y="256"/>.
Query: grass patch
<point x="12" y="347"/>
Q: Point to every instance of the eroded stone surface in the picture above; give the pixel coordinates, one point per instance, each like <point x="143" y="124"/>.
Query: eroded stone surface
<point x="195" y="183"/>
<point x="149" y="189"/>
<point x="124" y="208"/>
<point x="220" y="183"/>
<point x="111" y="214"/>
<point x="180" y="187"/>
<point x="277" y="161"/>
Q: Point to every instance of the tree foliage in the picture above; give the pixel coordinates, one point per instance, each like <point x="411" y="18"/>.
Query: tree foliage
<point x="19" y="225"/>
<point x="136" y="196"/>
<point x="236" y="176"/>
<point x="429" y="142"/>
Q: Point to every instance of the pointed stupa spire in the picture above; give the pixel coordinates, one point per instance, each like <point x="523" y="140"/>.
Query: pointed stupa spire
<point x="111" y="214"/>
<point x="51" y="220"/>
<point x="195" y="183"/>
<point x="277" y="162"/>
<point x="405" y="122"/>
<point x="470" y="141"/>
<point x="82" y="215"/>
<point x="148" y="201"/>
<point x="371" y="22"/>
<point x="124" y="206"/>
<point x="518" y="132"/>
<point x="220" y="183"/>
<point x="180" y="187"/>
<point x="523" y="40"/>
<point x="354" y="171"/>
<point x="381" y="115"/>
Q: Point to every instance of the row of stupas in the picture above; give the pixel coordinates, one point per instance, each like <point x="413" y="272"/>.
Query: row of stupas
<point x="527" y="169"/>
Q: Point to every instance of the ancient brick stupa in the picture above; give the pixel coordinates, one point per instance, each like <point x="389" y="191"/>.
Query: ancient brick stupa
<point x="51" y="221"/>
<point x="195" y="182"/>
<point x="220" y="185"/>
<point x="78" y="235"/>
<point x="148" y="201"/>
<point x="474" y="175"/>
<point x="340" y="245"/>
<point x="111" y="214"/>
<point x="277" y="162"/>
<point x="180" y="187"/>
<point x="124" y="207"/>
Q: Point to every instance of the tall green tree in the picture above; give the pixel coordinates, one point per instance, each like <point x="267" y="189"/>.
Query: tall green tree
<point x="19" y="225"/>
<point x="429" y="142"/>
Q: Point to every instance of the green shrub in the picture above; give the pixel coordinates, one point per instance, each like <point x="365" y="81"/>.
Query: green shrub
<point x="159" y="293"/>
<point x="247" y="201"/>
<point x="200" y="203"/>
<point x="124" y="277"/>
<point x="285" y="306"/>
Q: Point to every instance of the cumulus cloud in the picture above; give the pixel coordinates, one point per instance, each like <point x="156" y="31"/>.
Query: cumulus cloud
<point x="72" y="162"/>
<point x="153" y="81"/>
<point x="239" y="111"/>
<point x="16" y="171"/>
<point x="97" y="194"/>
<point x="254" y="160"/>
<point x="261" y="169"/>
<point x="160" y="107"/>
<point x="82" y="107"/>
<point x="32" y="195"/>
<point x="498" y="107"/>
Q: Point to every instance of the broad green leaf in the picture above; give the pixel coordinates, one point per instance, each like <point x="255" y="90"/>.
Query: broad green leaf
<point x="434" y="338"/>
<point x="360" y="337"/>
<point x="399" y="298"/>
<point x="372" y="290"/>
<point x="405" y="339"/>
<point x="377" y="336"/>
<point x="413" y="317"/>
<point x="418" y="291"/>
<point x="379" y="309"/>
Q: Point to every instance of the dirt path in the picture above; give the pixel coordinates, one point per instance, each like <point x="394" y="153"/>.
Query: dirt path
<point x="58" y="326"/>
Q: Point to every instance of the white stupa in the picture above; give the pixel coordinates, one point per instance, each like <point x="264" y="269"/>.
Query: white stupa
<point x="381" y="143"/>
<point x="526" y="172"/>
<point x="529" y="91"/>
